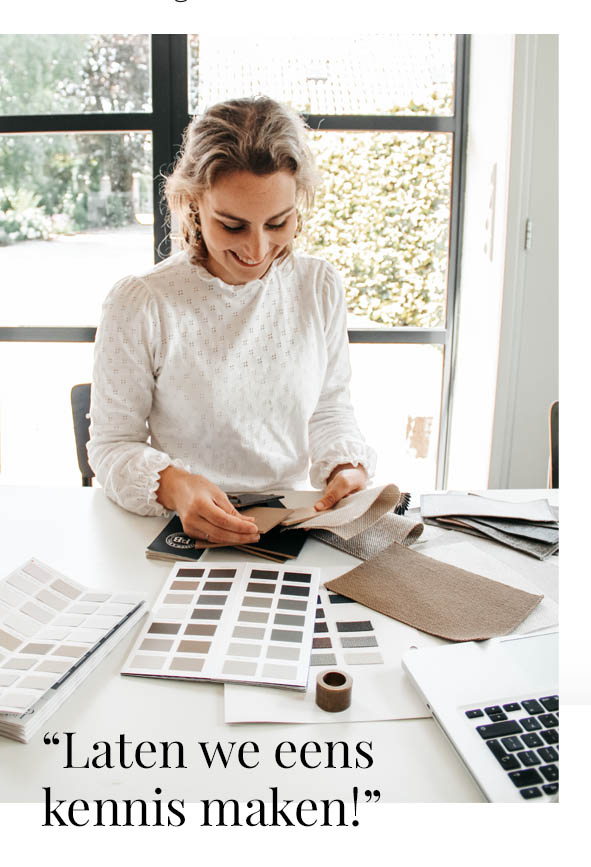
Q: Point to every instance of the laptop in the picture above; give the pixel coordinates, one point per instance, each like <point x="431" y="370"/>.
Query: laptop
<point x="497" y="703"/>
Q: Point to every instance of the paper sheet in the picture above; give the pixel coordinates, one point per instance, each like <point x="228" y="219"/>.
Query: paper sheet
<point x="380" y="692"/>
<point x="468" y="556"/>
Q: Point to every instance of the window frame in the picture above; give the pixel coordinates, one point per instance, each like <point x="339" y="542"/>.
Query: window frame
<point x="167" y="121"/>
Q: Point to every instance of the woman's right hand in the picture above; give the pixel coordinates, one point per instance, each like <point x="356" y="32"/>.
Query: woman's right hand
<point x="204" y="509"/>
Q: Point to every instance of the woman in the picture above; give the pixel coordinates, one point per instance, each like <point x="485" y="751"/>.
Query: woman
<point x="225" y="367"/>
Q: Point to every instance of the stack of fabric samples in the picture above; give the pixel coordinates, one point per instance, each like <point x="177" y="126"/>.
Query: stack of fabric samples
<point x="530" y="527"/>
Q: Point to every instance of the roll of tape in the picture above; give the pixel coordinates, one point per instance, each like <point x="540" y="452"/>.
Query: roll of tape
<point x="333" y="690"/>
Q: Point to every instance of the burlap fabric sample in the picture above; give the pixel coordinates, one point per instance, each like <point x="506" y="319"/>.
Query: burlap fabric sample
<point x="435" y="597"/>
<point x="351" y="516"/>
<point x="389" y="528"/>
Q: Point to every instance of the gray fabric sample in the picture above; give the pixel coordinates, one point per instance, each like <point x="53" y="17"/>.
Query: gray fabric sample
<point x="365" y="545"/>
<point x="359" y="641"/>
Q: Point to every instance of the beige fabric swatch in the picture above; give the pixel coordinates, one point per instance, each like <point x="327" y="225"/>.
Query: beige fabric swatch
<point x="265" y="518"/>
<point x="390" y="528"/>
<point x="351" y="515"/>
<point x="435" y="597"/>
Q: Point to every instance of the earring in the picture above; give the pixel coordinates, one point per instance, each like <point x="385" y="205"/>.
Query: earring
<point x="198" y="235"/>
<point x="299" y="224"/>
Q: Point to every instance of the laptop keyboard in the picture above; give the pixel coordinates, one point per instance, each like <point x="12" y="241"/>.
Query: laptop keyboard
<point x="523" y="738"/>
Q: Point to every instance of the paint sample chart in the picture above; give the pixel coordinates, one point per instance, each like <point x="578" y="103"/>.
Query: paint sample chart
<point x="230" y="622"/>
<point x="343" y="641"/>
<point x="49" y="625"/>
<point x="355" y="639"/>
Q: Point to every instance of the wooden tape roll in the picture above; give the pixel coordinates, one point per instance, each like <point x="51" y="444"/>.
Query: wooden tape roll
<point x="333" y="690"/>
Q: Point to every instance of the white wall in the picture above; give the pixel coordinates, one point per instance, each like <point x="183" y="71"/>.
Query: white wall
<point x="482" y="260"/>
<point x="506" y="372"/>
<point x="528" y="357"/>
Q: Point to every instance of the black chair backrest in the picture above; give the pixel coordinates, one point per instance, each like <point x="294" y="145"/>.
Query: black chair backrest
<point x="554" y="445"/>
<point x="80" y="400"/>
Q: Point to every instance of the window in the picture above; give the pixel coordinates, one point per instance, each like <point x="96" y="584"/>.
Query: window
<point x="88" y="123"/>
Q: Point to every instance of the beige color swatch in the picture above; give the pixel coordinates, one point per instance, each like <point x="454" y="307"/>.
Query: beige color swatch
<point x="351" y="515"/>
<point x="435" y="597"/>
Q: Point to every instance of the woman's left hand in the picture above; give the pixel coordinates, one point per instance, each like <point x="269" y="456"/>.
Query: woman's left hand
<point x="344" y="480"/>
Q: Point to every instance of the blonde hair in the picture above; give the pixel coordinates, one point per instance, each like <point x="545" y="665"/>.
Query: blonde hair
<point x="256" y="135"/>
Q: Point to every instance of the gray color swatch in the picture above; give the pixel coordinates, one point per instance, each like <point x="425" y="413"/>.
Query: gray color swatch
<point x="165" y="628"/>
<point x="294" y="590"/>
<point x="354" y="626"/>
<point x="200" y="628"/>
<point x="159" y="644"/>
<point x="293" y="635"/>
<point x="207" y="613"/>
<point x="359" y="641"/>
<point x="237" y="649"/>
<point x="257" y="601"/>
<point x="254" y="616"/>
<point x="276" y="651"/>
<point x="292" y="604"/>
<point x="255" y="587"/>
<point x="323" y="659"/>
<point x="190" y="646"/>
<point x="254" y="632"/>
<point x="290" y="619"/>
<point x="211" y="600"/>
<point x="187" y="663"/>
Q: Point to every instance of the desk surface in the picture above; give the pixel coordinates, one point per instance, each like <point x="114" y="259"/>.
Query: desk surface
<point x="82" y="534"/>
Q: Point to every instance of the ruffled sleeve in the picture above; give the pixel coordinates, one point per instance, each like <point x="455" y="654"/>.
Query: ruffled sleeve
<point x="126" y="362"/>
<point x="334" y="435"/>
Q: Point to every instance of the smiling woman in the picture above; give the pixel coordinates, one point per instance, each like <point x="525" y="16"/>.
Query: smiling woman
<point x="242" y="245"/>
<point x="226" y="366"/>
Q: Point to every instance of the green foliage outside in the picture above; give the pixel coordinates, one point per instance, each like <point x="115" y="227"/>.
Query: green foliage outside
<point x="381" y="214"/>
<point x="73" y="182"/>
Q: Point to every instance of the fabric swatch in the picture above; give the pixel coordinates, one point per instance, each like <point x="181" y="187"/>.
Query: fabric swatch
<point x="536" y="547"/>
<point x="389" y="528"/>
<point x="435" y="597"/>
<point x="265" y="517"/>
<point x="438" y="505"/>
<point x="351" y="515"/>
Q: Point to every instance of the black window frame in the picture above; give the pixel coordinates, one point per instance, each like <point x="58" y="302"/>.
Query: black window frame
<point x="167" y="121"/>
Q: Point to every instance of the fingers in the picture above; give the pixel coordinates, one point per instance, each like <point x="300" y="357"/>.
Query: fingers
<point x="207" y="513"/>
<point x="342" y="484"/>
<point x="199" y="527"/>
<point x="222" y="537"/>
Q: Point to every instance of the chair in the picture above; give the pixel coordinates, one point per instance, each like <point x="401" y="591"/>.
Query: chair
<point x="554" y="445"/>
<point x="80" y="400"/>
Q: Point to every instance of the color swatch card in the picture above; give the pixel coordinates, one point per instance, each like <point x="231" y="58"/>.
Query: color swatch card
<point x="49" y="626"/>
<point x="352" y="638"/>
<point x="232" y="622"/>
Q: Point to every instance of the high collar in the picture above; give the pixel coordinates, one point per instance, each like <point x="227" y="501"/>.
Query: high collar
<point x="235" y="289"/>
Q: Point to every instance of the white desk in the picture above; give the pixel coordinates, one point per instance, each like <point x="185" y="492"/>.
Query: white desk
<point x="82" y="534"/>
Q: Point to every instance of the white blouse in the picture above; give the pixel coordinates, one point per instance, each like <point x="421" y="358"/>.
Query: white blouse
<point x="242" y="384"/>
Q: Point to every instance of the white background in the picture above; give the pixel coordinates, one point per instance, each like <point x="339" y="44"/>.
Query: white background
<point x="418" y="834"/>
